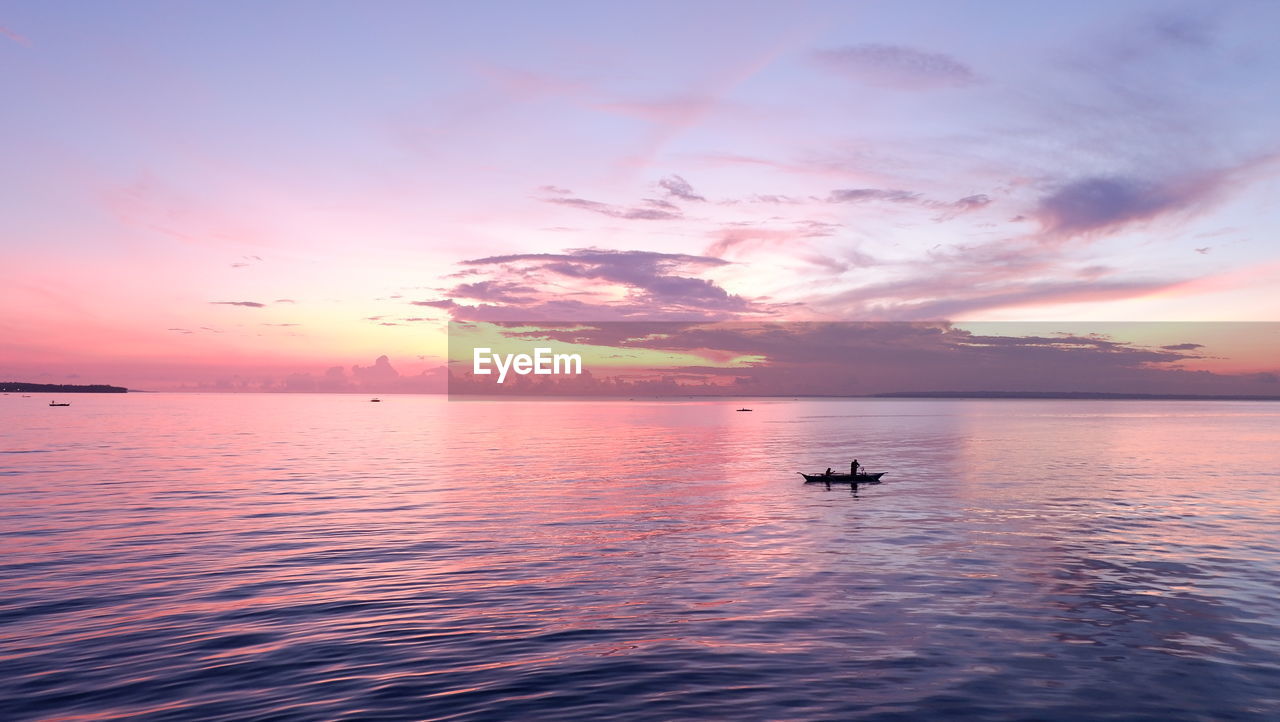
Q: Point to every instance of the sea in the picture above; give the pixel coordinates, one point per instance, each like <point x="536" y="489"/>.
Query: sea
<point x="170" y="556"/>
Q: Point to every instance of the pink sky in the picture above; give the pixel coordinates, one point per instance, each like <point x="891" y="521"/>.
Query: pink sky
<point x="249" y="198"/>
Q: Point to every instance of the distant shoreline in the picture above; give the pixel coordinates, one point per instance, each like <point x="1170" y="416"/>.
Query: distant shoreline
<point x="9" y="387"/>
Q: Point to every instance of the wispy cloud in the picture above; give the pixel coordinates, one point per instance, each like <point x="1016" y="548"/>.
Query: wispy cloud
<point x="15" y="36"/>
<point x="896" y="66"/>
<point x="185" y="331"/>
<point x="680" y="188"/>
<point x="663" y="211"/>
<point x="495" y="292"/>
<point x="860" y="195"/>
<point x="446" y="303"/>
<point x="246" y="304"/>
<point x="947" y="210"/>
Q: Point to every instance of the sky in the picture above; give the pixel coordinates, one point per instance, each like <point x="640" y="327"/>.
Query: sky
<point x="272" y="196"/>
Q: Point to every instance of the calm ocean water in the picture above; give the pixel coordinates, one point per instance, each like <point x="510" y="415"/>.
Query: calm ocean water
<point x="244" y="557"/>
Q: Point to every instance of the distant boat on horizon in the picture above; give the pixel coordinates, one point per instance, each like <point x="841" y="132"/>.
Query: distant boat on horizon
<point x="55" y="403"/>
<point x="744" y="409"/>
<point x="375" y="401"/>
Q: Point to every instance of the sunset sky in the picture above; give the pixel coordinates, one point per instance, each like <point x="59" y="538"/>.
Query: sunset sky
<point x="233" y="195"/>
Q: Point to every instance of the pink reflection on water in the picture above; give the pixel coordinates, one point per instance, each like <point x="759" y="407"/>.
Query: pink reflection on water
<point x="420" y="539"/>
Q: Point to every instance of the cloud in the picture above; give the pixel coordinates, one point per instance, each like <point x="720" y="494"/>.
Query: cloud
<point x="649" y="209"/>
<point x="246" y="304"/>
<point x="1183" y="347"/>
<point x="206" y="329"/>
<point x="736" y="237"/>
<point x="861" y="195"/>
<point x="775" y="199"/>
<point x="661" y="203"/>
<point x="591" y="283"/>
<point x="796" y="242"/>
<point x="964" y="205"/>
<point x="972" y="203"/>
<point x="945" y="211"/>
<point x="895" y="66"/>
<point x="379" y="377"/>
<point x="605" y="209"/>
<point x="1195" y="31"/>
<point x="1100" y="203"/>
<point x="494" y="291"/>
<point x="15" y="36"/>
<point x="680" y="188"/>
<point x="948" y="210"/>
<point x="380" y="372"/>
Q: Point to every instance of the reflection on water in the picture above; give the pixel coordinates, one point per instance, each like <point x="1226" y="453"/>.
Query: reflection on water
<point x="320" y="557"/>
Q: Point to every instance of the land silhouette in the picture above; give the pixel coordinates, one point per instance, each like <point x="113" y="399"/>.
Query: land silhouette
<point x="30" y="388"/>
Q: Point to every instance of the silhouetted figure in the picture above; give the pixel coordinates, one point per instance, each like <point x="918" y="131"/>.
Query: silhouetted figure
<point x="853" y="468"/>
<point x="828" y="471"/>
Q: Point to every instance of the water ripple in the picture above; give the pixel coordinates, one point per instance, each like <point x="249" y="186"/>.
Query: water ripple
<point x="181" y="557"/>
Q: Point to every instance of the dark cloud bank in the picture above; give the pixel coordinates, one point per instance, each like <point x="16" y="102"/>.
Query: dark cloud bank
<point x="854" y="359"/>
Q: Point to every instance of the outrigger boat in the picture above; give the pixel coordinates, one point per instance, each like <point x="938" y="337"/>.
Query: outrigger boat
<point x="844" y="478"/>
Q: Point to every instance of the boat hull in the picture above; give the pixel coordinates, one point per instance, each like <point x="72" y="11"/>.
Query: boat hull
<point x="844" y="478"/>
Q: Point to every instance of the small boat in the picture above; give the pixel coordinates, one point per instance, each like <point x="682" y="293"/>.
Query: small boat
<point x="744" y="409"/>
<point x="375" y="401"/>
<point x="844" y="478"/>
<point x="55" y="403"/>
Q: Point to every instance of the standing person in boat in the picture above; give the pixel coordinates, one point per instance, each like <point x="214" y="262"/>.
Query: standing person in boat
<point x="853" y="468"/>
<point x="828" y="471"/>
